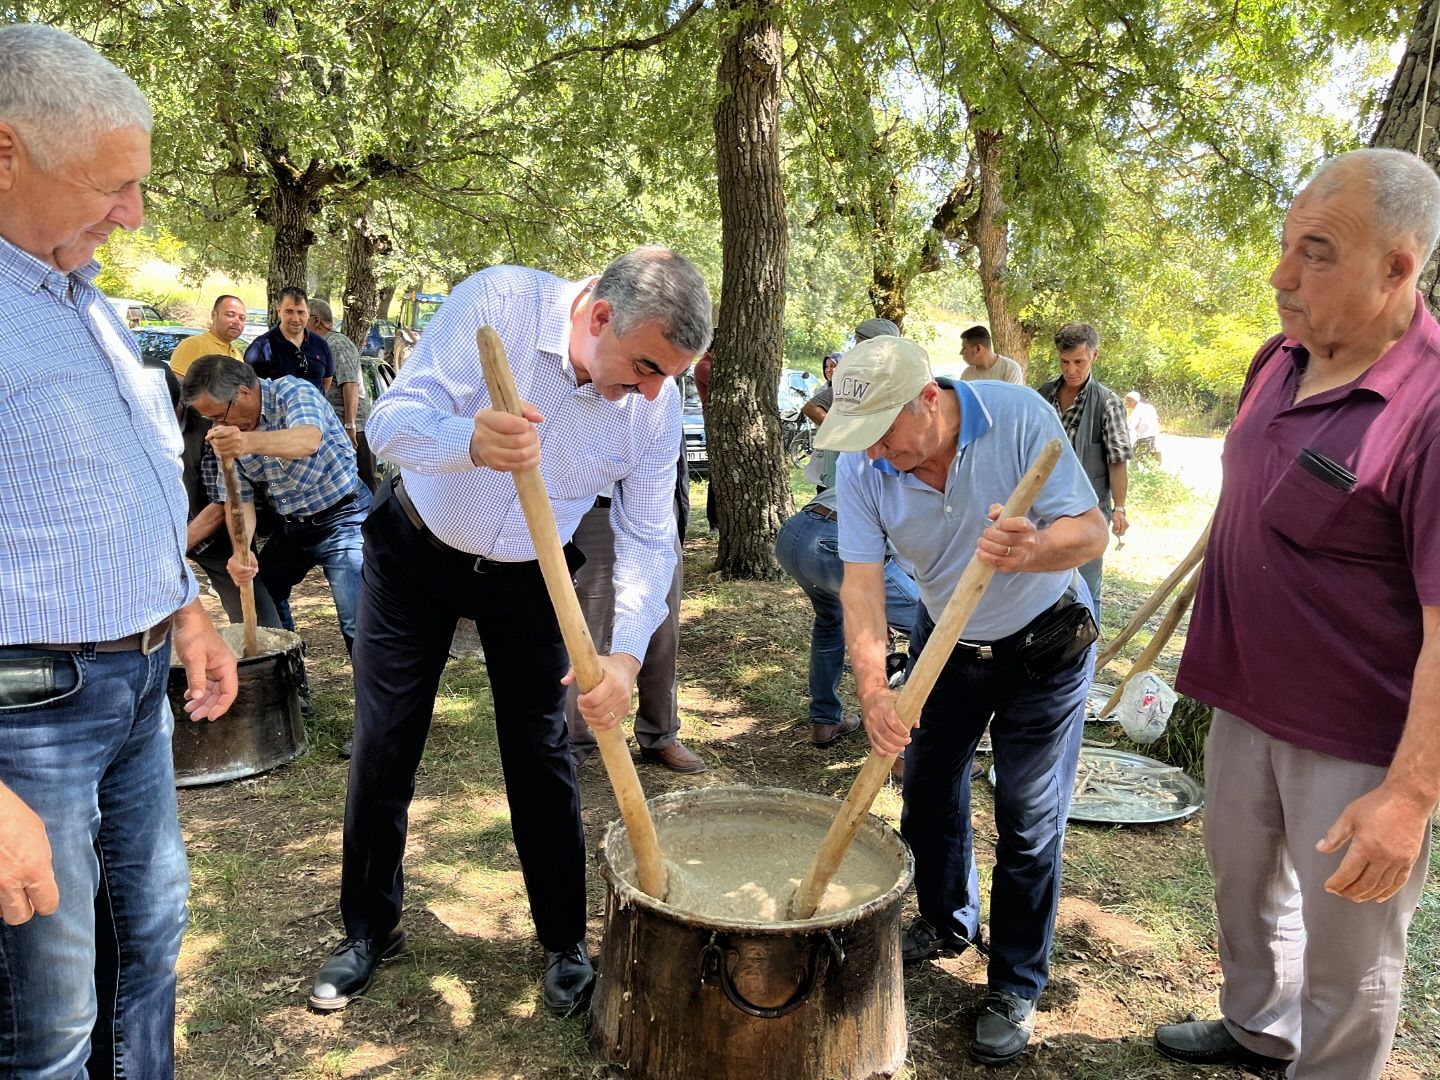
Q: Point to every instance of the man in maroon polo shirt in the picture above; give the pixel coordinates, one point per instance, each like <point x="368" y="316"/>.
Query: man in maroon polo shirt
<point x="1316" y="636"/>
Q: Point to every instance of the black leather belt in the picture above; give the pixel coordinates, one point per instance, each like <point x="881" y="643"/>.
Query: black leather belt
<point x="415" y="519"/>
<point x="147" y="641"/>
<point x="478" y="563"/>
<point x="821" y="511"/>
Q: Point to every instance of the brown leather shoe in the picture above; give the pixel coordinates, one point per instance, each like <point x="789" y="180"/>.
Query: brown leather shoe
<point x="675" y="757"/>
<point x="823" y="735"/>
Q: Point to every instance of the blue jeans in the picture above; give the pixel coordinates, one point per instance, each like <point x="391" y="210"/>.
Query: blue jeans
<point x="331" y="541"/>
<point x="1035" y="730"/>
<point x="95" y="981"/>
<point x="808" y="547"/>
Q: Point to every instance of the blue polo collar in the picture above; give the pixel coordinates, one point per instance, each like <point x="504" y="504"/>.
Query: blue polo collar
<point x="975" y="420"/>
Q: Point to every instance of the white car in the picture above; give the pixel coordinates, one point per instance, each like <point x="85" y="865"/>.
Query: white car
<point x="134" y="312"/>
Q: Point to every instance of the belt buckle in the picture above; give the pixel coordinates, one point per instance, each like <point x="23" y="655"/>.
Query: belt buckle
<point x="982" y="652"/>
<point x="150" y="640"/>
<point x="483" y="565"/>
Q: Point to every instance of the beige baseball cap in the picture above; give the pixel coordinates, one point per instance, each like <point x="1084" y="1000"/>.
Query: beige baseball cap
<point x="875" y="380"/>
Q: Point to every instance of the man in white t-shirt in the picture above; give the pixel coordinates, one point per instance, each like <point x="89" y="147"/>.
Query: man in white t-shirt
<point x="983" y="362"/>
<point x="1144" y="424"/>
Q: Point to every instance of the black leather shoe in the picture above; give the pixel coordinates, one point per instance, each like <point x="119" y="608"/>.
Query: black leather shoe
<point x="922" y="940"/>
<point x="350" y="969"/>
<point x="1209" y="1042"/>
<point x="1002" y="1031"/>
<point x="569" y="978"/>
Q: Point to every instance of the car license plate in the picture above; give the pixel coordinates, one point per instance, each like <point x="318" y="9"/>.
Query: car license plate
<point x="694" y="455"/>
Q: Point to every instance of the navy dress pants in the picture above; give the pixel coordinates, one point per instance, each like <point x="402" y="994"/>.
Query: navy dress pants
<point x="1036" y="730"/>
<point x="412" y="594"/>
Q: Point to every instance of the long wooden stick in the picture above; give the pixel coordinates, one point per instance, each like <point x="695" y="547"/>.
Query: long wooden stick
<point x="540" y="517"/>
<point x="921" y="681"/>
<point x="240" y="541"/>
<point x="1162" y="637"/>
<point x="1152" y="605"/>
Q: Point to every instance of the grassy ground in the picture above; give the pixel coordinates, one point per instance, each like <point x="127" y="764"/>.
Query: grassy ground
<point x="1134" y="944"/>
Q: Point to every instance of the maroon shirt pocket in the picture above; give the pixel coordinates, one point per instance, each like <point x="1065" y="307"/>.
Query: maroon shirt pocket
<point x="1302" y="507"/>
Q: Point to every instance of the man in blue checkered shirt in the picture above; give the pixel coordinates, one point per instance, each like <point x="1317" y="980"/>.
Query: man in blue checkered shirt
<point x="94" y="590"/>
<point x="283" y="433"/>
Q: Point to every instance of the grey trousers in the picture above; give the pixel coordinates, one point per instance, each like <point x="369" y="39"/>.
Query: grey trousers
<point x="657" y="720"/>
<point x="1309" y="976"/>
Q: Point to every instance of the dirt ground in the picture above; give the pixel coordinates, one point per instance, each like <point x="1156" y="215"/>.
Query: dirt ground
<point x="1134" y="944"/>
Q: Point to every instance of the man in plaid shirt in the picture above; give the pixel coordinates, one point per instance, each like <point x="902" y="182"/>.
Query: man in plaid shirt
<point x="1094" y="418"/>
<point x="284" y="434"/>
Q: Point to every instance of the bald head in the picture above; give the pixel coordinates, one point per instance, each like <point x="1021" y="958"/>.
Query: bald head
<point x="1404" y="194"/>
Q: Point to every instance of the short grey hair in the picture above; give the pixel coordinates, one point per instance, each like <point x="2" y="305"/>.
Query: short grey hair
<point x="219" y="376"/>
<point x="1074" y="334"/>
<point x="655" y="284"/>
<point x="1405" y="190"/>
<point x="321" y="308"/>
<point x="60" y="95"/>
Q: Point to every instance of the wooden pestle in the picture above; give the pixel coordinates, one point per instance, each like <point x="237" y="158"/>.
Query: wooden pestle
<point x="540" y="518"/>
<point x="240" y="541"/>
<point x="931" y="662"/>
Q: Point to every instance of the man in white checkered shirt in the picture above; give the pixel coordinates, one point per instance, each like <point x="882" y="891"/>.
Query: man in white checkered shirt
<point x="93" y="590"/>
<point x="594" y="361"/>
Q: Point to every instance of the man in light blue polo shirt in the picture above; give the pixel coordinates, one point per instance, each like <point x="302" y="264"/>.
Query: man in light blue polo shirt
<point x="940" y="457"/>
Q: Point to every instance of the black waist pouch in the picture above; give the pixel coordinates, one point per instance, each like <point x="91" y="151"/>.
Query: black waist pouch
<point x="1056" y="638"/>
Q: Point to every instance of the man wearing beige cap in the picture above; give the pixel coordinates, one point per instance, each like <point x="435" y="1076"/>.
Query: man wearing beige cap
<point x="939" y="459"/>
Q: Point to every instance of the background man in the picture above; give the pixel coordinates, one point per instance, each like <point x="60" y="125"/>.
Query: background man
<point x="1316" y="634"/>
<point x="93" y="877"/>
<point x="940" y="460"/>
<point x="347" y="393"/>
<point x="291" y="348"/>
<point x="596" y="360"/>
<point x="1094" y="421"/>
<point x="1143" y="425"/>
<point x="983" y="362"/>
<point x="283" y="433"/>
<point x="657" y="716"/>
<point x="227" y="322"/>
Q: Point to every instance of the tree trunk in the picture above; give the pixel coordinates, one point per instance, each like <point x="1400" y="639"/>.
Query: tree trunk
<point x="362" y="293"/>
<point x="1400" y="119"/>
<point x="752" y="490"/>
<point x="889" y="275"/>
<point x="289" y="211"/>
<point x="383" y="301"/>
<point x="990" y="234"/>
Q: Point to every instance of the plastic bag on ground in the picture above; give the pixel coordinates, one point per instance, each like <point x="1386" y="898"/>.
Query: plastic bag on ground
<point x="1145" y="707"/>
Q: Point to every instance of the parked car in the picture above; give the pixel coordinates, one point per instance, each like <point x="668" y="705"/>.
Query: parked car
<point x="158" y="342"/>
<point x="697" y="450"/>
<point x="135" y="313"/>
<point x="377" y="339"/>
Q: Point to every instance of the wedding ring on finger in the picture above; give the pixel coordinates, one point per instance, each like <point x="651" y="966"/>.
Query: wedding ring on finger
<point x="1007" y="551"/>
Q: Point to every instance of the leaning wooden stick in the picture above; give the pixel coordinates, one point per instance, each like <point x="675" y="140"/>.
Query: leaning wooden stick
<point x="540" y="517"/>
<point x="1162" y="637"/>
<point x="1152" y="605"/>
<point x="931" y="662"/>
<point x="240" y="541"/>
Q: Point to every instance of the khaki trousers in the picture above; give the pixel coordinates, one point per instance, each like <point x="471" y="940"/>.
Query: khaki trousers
<point x="1309" y="976"/>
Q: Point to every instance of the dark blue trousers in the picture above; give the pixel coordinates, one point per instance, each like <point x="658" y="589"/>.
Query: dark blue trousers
<point x="1036" y="730"/>
<point x="411" y="596"/>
